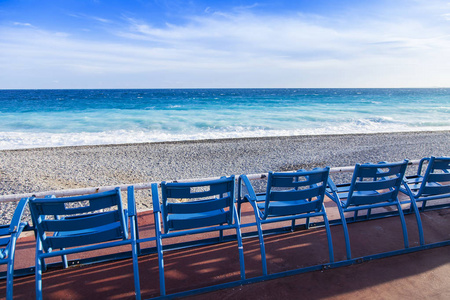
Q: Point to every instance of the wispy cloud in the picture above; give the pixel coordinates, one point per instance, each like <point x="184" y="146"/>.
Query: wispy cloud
<point x="90" y="17"/>
<point x="22" y="24"/>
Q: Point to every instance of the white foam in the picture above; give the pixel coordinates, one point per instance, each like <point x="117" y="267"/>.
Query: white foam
<point x="24" y="140"/>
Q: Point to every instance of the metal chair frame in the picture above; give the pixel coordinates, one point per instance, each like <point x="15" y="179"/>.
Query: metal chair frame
<point x="86" y="227"/>
<point x="8" y="238"/>
<point x="372" y="186"/>
<point x="434" y="184"/>
<point x="194" y="217"/>
<point x="303" y="200"/>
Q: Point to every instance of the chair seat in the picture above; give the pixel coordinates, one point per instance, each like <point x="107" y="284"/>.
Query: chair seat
<point x="414" y="183"/>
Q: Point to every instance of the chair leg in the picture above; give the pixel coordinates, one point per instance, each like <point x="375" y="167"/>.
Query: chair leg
<point x="241" y="253"/>
<point x="330" y="241"/>
<point x="38" y="270"/>
<point x="261" y="245"/>
<point x="162" y="283"/>
<point x="240" y="244"/>
<point x="138" y="245"/>
<point x="418" y="220"/>
<point x="64" y="260"/>
<point x="10" y="268"/>
<point x="402" y="219"/>
<point x="9" y="278"/>
<point x="424" y="203"/>
<point x="239" y="209"/>
<point x="347" y="238"/>
<point x="134" y="251"/>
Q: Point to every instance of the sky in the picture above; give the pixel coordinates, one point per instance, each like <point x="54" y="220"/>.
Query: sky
<point x="49" y="44"/>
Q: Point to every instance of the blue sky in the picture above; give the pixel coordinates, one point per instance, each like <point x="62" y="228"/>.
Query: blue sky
<point x="224" y="44"/>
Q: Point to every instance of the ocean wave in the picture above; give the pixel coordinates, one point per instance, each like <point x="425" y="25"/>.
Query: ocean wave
<point x="25" y="140"/>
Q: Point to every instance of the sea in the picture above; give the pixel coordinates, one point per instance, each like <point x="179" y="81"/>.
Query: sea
<point x="56" y="118"/>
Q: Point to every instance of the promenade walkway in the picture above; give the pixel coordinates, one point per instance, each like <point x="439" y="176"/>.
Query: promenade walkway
<point x="422" y="274"/>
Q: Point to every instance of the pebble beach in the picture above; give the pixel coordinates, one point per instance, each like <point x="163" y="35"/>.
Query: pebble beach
<point x="45" y="169"/>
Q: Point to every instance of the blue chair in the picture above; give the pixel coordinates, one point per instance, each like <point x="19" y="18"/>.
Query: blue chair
<point x="207" y="206"/>
<point x="8" y="238"/>
<point x="372" y="186"/>
<point x="289" y="196"/>
<point x="434" y="184"/>
<point x="82" y="223"/>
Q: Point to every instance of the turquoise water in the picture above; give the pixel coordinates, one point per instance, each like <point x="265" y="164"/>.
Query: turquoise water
<point x="47" y="118"/>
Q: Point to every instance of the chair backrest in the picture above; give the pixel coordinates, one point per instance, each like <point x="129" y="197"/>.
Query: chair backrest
<point x="79" y="221"/>
<point x="291" y="189"/>
<point x="199" y="204"/>
<point x="436" y="180"/>
<point x="15" y="227"/>
<point x="375" y="183"/>
<point x="5" y="238"/>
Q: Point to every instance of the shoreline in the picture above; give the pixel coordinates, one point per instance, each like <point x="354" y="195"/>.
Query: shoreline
<point x="56" y="168"/>
<point x="230" y="139"/>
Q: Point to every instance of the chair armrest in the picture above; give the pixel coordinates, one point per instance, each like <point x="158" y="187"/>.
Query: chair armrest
<point x="332" y="185"/>
<point x="406" y="190"/>
<point x="251" y="196"/>
<point x="243" y="180"/>
<point x="155" y="198"/>
<point x="419" y="168"/>
<point x="334" y="191"/>
<point x="131" y="201"/>
<point x="15" y="221"/>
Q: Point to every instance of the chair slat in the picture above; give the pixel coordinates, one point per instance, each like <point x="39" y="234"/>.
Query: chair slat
<point x="377" y="185"/>
<point x="62" y="206"/>
<point x="86" y="238"/>
<point x="286" y="208"/>
<point x="199" y="206"/>
<point x="296" y="179"/>
<point x="381" y="170"/>
<point x="4" y="241"/>
<point x="4" y="230"/>
<point x="198" y="220"/>
<point x="173" y="190"/>
<point x="290" y="195"/>
<point x="441" y="163"/>
<point x="81" y="222"/>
